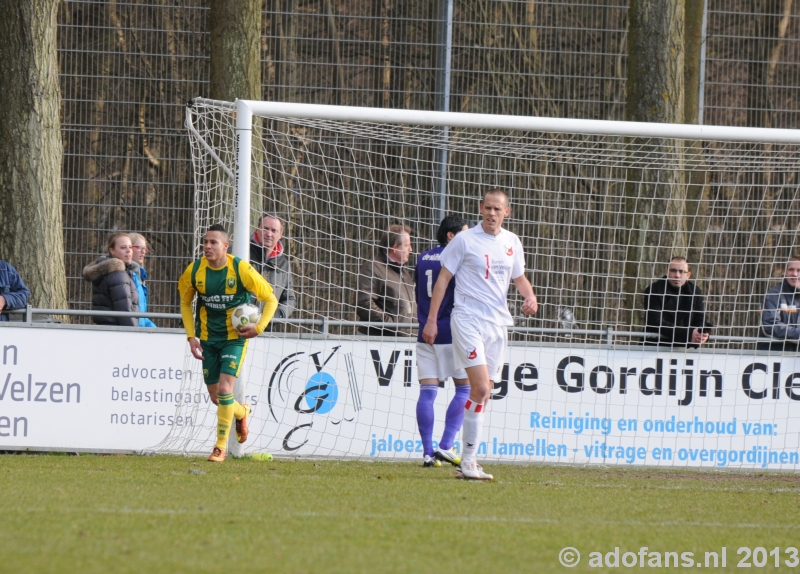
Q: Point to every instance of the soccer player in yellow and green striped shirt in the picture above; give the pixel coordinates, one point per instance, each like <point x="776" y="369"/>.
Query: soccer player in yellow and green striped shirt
<point x="222" y="282"/>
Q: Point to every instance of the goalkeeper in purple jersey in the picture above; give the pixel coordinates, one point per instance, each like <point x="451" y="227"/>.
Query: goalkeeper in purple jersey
<point x="435" y="362"/>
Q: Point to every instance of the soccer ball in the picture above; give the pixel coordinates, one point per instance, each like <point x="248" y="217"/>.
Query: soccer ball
<point x="244" y="315"/>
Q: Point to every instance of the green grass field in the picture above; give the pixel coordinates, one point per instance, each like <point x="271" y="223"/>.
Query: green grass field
<point x="169" y="514"/>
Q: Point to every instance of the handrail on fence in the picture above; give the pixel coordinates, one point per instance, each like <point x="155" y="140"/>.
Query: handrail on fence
<point x="609" y="334"/>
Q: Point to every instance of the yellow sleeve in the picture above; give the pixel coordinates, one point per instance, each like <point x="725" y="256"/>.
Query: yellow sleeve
<point x="187" y="293"/>
<point x="258" y="286"/>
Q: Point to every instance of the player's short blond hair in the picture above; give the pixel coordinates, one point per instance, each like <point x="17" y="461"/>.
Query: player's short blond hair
<point x="495" y="191"/>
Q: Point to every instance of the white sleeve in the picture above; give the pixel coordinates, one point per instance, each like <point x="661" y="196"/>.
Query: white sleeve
<point x="453" y="255"/>
<point x="518" y="267"/>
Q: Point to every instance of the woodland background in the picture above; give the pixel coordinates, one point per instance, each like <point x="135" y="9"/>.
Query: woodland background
<point x="127" y="69"/>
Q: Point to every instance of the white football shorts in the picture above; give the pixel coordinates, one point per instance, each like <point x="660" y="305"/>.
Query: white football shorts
<point x="436" y="362"/>
<point x="478" y="342"/>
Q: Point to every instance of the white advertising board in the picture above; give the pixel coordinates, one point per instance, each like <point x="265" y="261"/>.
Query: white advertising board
<point x="99" y="390"/>
<point x="59" y="388"/>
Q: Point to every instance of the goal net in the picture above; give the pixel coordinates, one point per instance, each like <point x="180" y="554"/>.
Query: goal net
<point x="600" y="208"/>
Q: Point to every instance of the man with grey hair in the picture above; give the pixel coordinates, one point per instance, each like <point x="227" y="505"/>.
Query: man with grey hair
<point x="268" y="257"/>
<point x="386" y="285"/>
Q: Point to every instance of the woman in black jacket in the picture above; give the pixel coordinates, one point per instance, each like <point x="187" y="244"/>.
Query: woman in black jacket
<point x="113" y="288"/>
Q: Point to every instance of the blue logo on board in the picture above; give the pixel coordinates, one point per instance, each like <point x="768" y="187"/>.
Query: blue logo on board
<point x="321" y="393"/>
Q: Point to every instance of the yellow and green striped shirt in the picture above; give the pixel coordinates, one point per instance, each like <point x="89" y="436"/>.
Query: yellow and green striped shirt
<point x="219" y="292"/>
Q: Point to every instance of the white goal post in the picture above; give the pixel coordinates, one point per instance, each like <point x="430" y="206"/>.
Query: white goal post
<point x="246" y="110"/>
<point x="601" y="208"/>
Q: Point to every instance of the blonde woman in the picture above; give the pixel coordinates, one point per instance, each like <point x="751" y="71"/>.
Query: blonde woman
<point x="113" y="287"/>
<point x="140" y="249"/>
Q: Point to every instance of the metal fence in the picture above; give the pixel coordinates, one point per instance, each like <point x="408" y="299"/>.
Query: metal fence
<point x="127" y="68"/>
<point x="753" y="63"/>
<point x="607" y="337"/>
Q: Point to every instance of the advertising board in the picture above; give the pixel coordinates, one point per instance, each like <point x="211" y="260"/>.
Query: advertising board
<point x="96" y="390"/>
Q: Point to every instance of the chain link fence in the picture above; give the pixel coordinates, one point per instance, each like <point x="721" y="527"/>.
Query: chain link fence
<point x="128" y="68"/>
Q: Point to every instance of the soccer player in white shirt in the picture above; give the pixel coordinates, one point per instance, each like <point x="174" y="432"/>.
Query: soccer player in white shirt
<point x="485" y="259"/>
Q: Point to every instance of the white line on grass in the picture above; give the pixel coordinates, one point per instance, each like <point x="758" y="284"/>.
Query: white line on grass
<point x="429" y="517"/>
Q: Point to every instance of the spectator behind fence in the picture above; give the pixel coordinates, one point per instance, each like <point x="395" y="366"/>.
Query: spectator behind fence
<point x="268" y="256"/>
<point x="113" y="287"/>
<point x="779" y="312"/>
<point x="676" y="308"/>
<point x="14" y="294"/>
<point x="140" y="248"/>
<point x="386" y="285"/>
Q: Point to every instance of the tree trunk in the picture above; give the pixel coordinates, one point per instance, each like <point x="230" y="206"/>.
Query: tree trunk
<point x="236" y="73"/>
<point x="376" y="55"/>
<point x="523" y="27"/>
<point x="771" y="26"/>
<point x="398" y="61"/>
<point x="31" y="229"/>
<point x="655" y="61"/>
<point x="284" y="30"/>
<point x="771" y="19"/>
<point x="235" y="49"/>
<point x="775" y="52"/>
<point x="655" y="198"/>
<point x="339" y="92"/>
<point x="696" y="191"/>
<point x="691" y="68"/>
<point x="92" y="168"/>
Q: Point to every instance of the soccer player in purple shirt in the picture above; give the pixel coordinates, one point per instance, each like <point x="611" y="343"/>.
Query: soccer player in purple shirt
<point x="435" y="362"/>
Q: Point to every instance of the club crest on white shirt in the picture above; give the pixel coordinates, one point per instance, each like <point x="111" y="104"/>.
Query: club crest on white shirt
<point x="510" y="251"/>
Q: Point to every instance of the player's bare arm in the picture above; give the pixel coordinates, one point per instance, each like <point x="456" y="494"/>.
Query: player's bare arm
<point x="531" y="305"/>
<point x="187" y="294"/>
<point x="197" y="350"/>
<point x="259" y="287"/>
<point x="248" y="332"/>
<point x="431" y="328"/>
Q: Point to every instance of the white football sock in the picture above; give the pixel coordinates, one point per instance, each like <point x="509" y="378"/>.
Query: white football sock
<point x="471" y="430"/>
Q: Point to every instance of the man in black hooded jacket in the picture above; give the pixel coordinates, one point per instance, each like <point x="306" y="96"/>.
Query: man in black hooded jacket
<point x="676" y="308"/>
